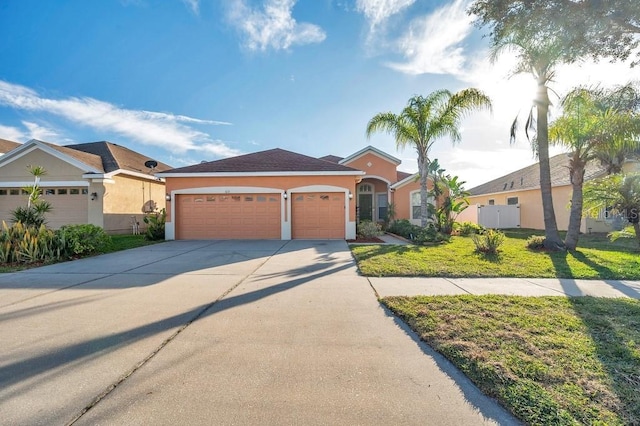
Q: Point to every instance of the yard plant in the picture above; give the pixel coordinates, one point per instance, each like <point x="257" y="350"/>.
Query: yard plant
<point x="549" y="360"/>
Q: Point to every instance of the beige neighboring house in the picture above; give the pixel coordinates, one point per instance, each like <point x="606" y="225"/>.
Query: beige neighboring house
<point x="99" y="183"/>
<point x="6" y="146"/>
<point x="279" y="194"/>
<point x="518" y="193"/>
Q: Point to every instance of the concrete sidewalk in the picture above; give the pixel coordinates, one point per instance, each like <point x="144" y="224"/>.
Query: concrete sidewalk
<point x="509" y="286"/>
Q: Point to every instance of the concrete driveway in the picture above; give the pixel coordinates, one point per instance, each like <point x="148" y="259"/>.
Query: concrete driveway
<point x="218" y="332"/>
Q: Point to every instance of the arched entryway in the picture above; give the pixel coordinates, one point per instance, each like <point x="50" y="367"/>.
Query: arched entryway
<point x="372" y="199"/>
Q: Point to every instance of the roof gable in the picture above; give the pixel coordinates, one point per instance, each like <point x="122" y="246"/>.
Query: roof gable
<point x="529" y="177"/>
<point x="272" y="160"/>
<point x="86" y="162"/>
<point x="373" y="150"/>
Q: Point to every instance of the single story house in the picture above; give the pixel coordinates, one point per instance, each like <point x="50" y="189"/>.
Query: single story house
<point x="99" y="183"/>
<point x="279" y="194"/>
<point x="6" y="146"/>
<point x="518" y="194"/>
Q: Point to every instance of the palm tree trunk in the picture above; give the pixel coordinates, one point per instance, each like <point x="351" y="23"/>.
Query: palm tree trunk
<point x="636" y="228"/>
<point x="424" y="175"/>
<point x="552" y="237"/>
<point x="575" y="216"/>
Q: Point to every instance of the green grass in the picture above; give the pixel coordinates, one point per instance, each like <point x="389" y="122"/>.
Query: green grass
<point x="596" y="258"/>
<point x="117" y="243"/>
<point x="549" y="360"/>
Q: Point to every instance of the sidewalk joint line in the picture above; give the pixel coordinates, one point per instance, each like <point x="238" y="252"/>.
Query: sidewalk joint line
<point x="164" y="343"/>
<point x="463" y="289"/>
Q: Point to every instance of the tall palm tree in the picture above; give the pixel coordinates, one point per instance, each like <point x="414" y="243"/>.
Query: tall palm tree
<point x="425" y="120"/>
<point x="538" y="57"/>
<point x="589" y="126"/>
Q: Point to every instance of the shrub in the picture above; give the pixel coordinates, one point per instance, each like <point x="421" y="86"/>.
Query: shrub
<point x="430" y="234"/>
<point x="78" y="240"/>
<point x="535" y="242"/>
<point x="468" y="228"/>
<point x="418" y="234"/>
<point x="155" y="225"/>
<point x="404" y="228"/>
<point x="368" y="229"/>
<point x="28" y="244"/>
<point x="489" y="242"/>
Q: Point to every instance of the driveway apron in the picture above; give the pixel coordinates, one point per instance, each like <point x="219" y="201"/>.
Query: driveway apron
<point x="218" y="332"/>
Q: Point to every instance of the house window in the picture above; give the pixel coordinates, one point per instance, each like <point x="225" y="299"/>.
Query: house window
<point x="492" y="202"/>
<point x="365" y="187"/>
<point x="14" y="192"/>
<point x="3" y="192"/>
<point x="74" y="191"/>
<point x="85" y="191"/>
<point x="382" y="206"/>
<point x="49" y="191"/>
<point x="512" y="201"/>
<point x="415" y="204"/>
<point x="62" y="192"/>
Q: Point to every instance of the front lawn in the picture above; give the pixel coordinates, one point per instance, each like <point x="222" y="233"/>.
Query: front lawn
<point x="549" y="360"/>
<point x="597" y="258"/>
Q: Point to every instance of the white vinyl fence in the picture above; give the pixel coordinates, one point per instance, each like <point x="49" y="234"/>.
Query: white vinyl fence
<point x="498" y="217"/>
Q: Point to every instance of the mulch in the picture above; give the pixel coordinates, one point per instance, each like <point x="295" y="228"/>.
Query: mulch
<point x="366" y="240"/>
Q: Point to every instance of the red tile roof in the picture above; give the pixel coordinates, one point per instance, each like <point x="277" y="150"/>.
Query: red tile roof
<point x="272" y="160"/>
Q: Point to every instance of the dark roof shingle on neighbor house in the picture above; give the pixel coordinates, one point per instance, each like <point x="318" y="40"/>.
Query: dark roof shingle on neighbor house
<point x="529" y="177"/>
<point x="272" y="160"/>
<point x="332" y="158"/>
<point x="115" y="157"/>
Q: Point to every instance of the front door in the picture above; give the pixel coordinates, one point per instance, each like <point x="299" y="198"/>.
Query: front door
<point x="365" y="206"/>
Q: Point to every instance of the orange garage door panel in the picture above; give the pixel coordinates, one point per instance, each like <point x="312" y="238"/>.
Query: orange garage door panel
<point x="318" y="215"/>
<point x="228" y="216"/>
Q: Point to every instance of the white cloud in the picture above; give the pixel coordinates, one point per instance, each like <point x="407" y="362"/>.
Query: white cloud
<point x="378" y="11"/>
<point x="432" y="42"/>
<point x="165" y="130"/>
<point x="39" y="132"/>
<point x="273" y="26"/>
<point x="12" y="134"/>
<point x="193" y="4"/>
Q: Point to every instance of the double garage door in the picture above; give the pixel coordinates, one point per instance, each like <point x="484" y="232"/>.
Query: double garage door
<point x="258" y="216"/>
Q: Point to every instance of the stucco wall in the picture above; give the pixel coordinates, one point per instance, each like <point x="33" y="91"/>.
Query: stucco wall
<point x="402" y="199"/>
<point x="374" y="165"/>
<point x="127" y="200"/>
<point x="531" y="205"/>
<point x="56" y="169"/>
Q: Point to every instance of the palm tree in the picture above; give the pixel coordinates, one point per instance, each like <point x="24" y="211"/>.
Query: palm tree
<point x="425" y="120"/>
<point x="591" y="128"/>
<point x="538" y="57"/>
<point x="620" y="193"/>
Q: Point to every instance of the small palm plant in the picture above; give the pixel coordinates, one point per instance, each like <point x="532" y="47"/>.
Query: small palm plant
<point x="34" y="213"/>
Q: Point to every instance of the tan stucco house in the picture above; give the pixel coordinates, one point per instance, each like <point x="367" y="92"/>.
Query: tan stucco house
<point x="99" y="183"/>
<point x="521" y="190"/>
<point x="279" y="194"/>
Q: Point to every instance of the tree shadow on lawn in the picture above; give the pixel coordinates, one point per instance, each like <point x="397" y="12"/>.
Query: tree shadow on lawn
<point x="563" y="269"/>
<point x="380" y="250"/>
<point x="613" y="348"/>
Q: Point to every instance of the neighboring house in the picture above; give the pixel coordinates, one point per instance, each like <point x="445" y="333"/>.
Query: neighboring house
<point x="100" y="183"/>
<point x="6" y="146"/>
<point x="518" y="193"/>
<point x="278" y="194"/>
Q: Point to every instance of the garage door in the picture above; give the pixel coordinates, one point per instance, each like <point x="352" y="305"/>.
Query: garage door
<point x="228" y="216"/>
<point x="318" y="215"/>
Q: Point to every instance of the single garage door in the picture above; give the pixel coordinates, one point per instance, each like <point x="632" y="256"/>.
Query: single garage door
<point x="318" y="215"/>
<point x="228" y="216"/>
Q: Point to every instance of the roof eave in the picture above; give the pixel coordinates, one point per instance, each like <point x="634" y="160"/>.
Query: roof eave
<point x="262" y="174"/>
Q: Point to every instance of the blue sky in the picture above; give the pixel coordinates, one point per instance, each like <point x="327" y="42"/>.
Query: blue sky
<point x="184" y="81"/>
